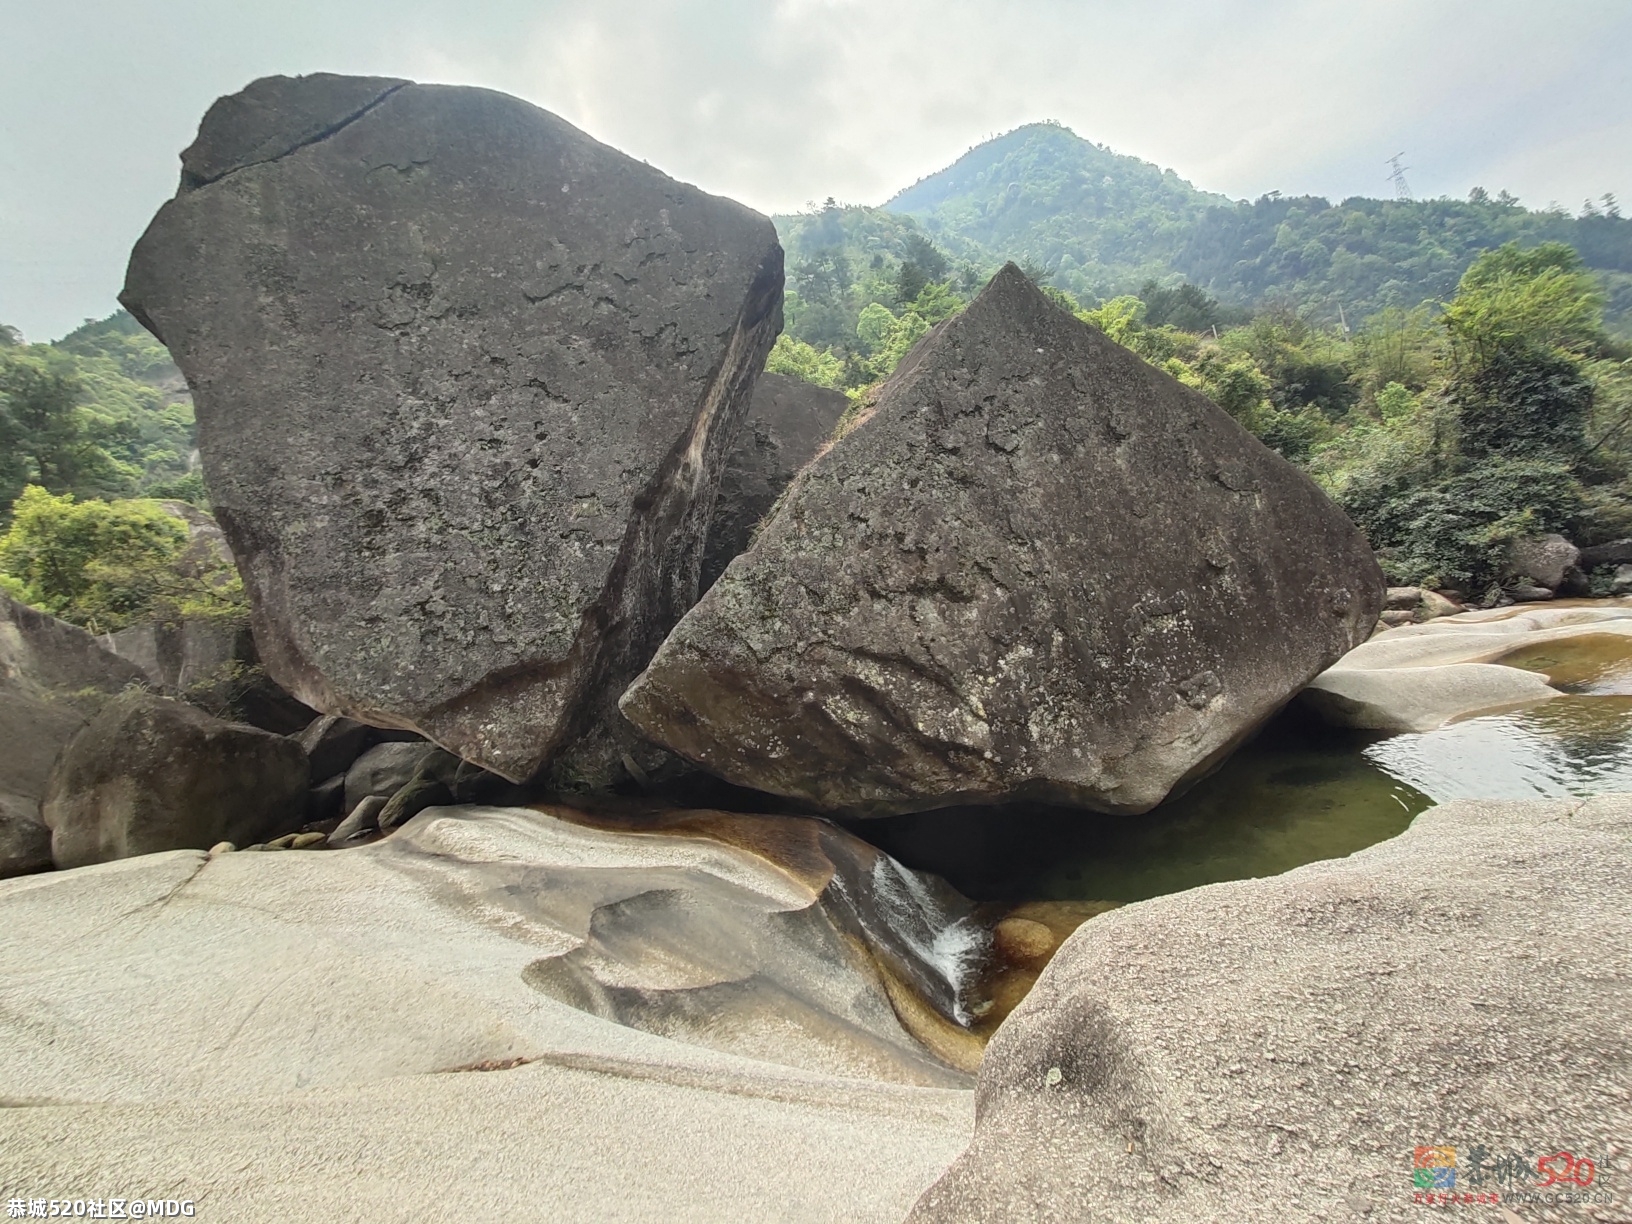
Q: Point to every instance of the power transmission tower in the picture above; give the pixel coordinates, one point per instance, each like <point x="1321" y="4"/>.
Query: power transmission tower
<point x="1402" y="190"/>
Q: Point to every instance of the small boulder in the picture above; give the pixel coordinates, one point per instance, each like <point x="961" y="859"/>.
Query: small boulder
<point x="788" y="421"/>
<point x="150" y="773"/>
<point x="1546" y="560"/>
<point x="1616" y="552"/>
<point x="1038" y="568"/>
<point x="385" y="769"/>
<point x="363" y="819"/>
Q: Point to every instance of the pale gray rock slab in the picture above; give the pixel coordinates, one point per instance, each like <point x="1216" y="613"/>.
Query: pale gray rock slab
<point x="465" y="380"/>
<point x="279" y="1034"/>
<point x="1276" y="1049"/>
<point x="1040" y="568"/>
<point x="1421" y="677"/>
<point x="149" y="773"/>
<point x="788" y="422"/>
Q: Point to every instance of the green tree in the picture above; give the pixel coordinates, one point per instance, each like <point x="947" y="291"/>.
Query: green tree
<point x="46" y="438"/>
<point x="104" y="564"/>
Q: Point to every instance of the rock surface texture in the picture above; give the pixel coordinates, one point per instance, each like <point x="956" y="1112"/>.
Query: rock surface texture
<point x="1277" y="1049"/>
<point x="502" y="1009"/>
<point x="54" y="677"/>
<point x="788" y="421"/>
<point x="149" y="774"/>
<point x="1040" y="569"/>
<point x="465" y="380"/>
<point x="1421" y="677"/>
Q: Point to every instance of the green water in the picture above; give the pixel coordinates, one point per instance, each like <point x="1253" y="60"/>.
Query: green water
<point x="1298" y="793"/>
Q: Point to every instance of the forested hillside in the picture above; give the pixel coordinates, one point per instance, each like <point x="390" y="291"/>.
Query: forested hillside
<point x="1100" y="223"/>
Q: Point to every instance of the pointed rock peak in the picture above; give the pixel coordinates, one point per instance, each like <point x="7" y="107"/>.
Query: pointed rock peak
<point x="272" y="117"/>
<point x="1040" y="569"/>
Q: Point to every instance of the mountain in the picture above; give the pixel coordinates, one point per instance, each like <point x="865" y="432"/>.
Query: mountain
<point x="1099" y="221"/>
<point x="1102" y="223"/>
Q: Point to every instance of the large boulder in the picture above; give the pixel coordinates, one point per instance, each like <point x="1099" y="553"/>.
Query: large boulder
<point x="150" y="773"/>
<point x="788" y="421"/>
<point x="54" y="677"/>
<point x="1040" y="568"/>
<point x="465" y="379"/>
<point x="1286" y="1048"/>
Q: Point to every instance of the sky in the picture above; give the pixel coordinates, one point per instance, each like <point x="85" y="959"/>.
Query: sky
<point x="781" y="103"/>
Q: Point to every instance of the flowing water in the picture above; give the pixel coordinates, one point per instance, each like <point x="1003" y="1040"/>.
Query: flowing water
<point x="1300" y="792"/>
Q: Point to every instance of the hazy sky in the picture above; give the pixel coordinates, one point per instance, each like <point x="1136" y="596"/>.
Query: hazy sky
<point x="782" y="102"/>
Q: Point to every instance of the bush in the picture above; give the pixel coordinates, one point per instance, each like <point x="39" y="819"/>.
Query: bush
<point x="105" y="565"/>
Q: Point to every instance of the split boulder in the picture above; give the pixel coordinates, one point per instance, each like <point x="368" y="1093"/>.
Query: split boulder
<point x="1040" y="568"/>
<point x="465" y="380"/>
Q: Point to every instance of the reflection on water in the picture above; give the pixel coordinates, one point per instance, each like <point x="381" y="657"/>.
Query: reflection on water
<point x="1298" y="793"/>
<point x="1577" y="745"/>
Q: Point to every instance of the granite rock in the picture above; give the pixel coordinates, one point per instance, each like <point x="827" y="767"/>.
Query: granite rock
<point x="1037" y="568"/>
<point x="465" y="379"/>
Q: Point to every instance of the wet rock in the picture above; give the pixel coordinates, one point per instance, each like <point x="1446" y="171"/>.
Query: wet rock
<point x="465" y="379"/>
<point x="788" y="421"/>
<point x="1022" y="939"/>
<point x="363" y="819"/>
<point x="419" y="793"/>
<point x="1040" y="568"/>
<point x="150" y="773"/>
<point x="54" y="677"/>
<point x="1546" y="559"/>
<point x="384" y="770"/>
<point x="1524" y="593"/>
<point x="1196" y="1056"/>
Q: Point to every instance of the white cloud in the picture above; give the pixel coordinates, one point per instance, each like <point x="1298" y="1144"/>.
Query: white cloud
<point x="782" y="102"/>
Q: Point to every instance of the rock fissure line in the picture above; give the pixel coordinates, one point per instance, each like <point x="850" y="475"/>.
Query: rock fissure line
<point x="195" y="182"/>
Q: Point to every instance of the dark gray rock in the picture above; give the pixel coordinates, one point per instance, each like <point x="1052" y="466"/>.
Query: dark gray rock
<point x="150" y="773"/>
<point x="326" y="800"/>
<point x="333" y="743"/>
<point x="1276" y="1049"/>
<point x="788" y="421"/>
<point x="25" y="843"/>
<point x="385" y="769"/>
<point x="363" y="819"/>
<point x="465" y="380"/>
<point x="54" y="677"/>
<point x="1040" y="568"/>
<point x="1616" y="552"/>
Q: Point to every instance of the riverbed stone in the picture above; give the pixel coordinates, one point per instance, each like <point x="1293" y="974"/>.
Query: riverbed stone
<point x="149" y="773"/>
<point x="1279" y="1049"/>
<point x="788" y="421"/>
<point x="54" y="677"/>
<point x="465" y="380"/>
<point x="1547" y="559"/>
<point x="385" y="769"/>
<point x="1037" y="567"/>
